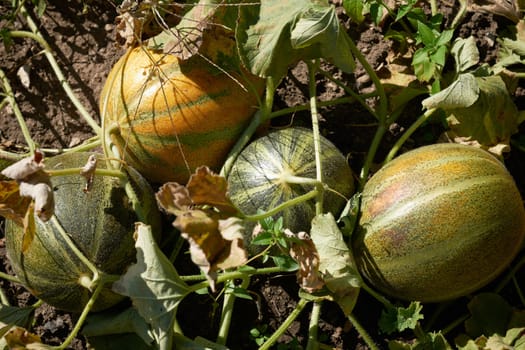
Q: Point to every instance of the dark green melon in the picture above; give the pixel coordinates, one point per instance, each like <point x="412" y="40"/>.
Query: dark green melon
<point x="101" y="225"/>
<point x="438" y="222"/>
<point x="256" y="178"/>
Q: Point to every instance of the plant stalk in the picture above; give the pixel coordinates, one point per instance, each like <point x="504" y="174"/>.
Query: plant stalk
<point x="285" y="325"/>
<point x="16" y="110"/>
<point x="363" y="333"/>
<point x="261" y="116"/>
<point x="313" y="66"/>
<point x="282" y="206"/>
<point x="313" y="328"/>
<point x="408" y="133"/>
<point x="37" y="36"/>
<point x="83" y="316"/>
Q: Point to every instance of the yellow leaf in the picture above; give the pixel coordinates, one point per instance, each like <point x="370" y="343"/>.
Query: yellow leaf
<point x="12" y="205"/>
<point x="29" y="228"/>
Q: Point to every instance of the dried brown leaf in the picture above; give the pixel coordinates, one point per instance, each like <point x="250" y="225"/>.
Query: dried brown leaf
<point x="208" y="188"/>
<point x="214" y="244"/>
<point x="25" y="167"/>
<point x="21" y="338"/>
<point x="173" y="198"/>
<point x="29" y="228"/>
<point x="12" y="205"/>
<point x="88" y="172"/>
<point x="306" y="255"/>
<point x="34" y="182"/>
<point x="505" y="8"/>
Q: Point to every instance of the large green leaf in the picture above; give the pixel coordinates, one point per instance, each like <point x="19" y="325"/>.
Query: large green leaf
<point x="154" y="286"/>
<point x="335" y="262"/>
<point x="276" y="34"/>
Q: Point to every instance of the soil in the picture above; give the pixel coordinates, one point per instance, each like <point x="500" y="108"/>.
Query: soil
<point x="82" y="36"/>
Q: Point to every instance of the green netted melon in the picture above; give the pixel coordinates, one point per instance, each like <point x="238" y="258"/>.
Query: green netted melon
<point x="257" y="178"/>
<point x="100" y="223"/>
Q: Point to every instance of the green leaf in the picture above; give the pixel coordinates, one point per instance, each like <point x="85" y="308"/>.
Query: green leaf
<point x="445" y="37"/>
<point x="465" y="53"/>
<point x="153" y="285"/>
<point x="118" y="341"/>
<point x="111" y="323"/>
<point x="491" y="121"/>
<point x="19" y="316"/>
<point x="276" y="34"/>
<point x="263" y="36"/>
<point x="319" y="27"/>
<point x="405" y="9"/>
<point x="490" y="314"/>
<point x="354" y="9"/>
<point x="397" y="319"/>
<point x="462" y="93"/>
<point x="439" y="56"/>
<point x="336" y="263"/>
<point x="425" y="34"/>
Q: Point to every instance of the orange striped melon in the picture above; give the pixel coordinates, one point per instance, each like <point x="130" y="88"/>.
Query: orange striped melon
<point x="166" y="116"/>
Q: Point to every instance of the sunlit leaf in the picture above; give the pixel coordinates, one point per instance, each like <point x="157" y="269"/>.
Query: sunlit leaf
<point x="465" y="53"/>
<point x="319" y="27"/>
<point x="270" y="36"/>
<point x="354" y="9"/>
<point x="398" y="319"/>
<point x="490" y="121"/>
<point x="462" y="93"/>
<point x="153" y="285"/>
<point x="263" y="36"/>
<point x="336" y="263"/>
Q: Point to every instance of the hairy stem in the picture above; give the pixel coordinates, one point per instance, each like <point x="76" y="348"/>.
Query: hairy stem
<point x="37" y="36"/>
<point x="313" y="327"/>
<point x="313" y="66"/>
<point x="285" y="325"/>
<point x="362" y="331"/>
<point x="408" y="133"/>
<point x="16" y="110"/>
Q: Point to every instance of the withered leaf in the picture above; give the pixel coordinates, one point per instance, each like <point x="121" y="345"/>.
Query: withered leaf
<point x="29" y="228"/>
<point x="25" y="167"/>
<point x="34" y="182"/>
<point x="173" y="198"/>
<point x="214" y="244"/>
<point x="208" y="188"/>
<point x="38" y="186"/>
<point x="12" y="205"/>
<point x="20" y="338"/>
<point x="306" y="255"/>
<point x="88" y="172"/>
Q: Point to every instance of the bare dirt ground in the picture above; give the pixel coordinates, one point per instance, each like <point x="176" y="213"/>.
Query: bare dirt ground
<point x="83" y="40"/>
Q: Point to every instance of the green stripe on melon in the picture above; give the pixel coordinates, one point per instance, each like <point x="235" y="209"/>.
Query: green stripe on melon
<point x="256" y="178"/>
<point x="167" y="117"/>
